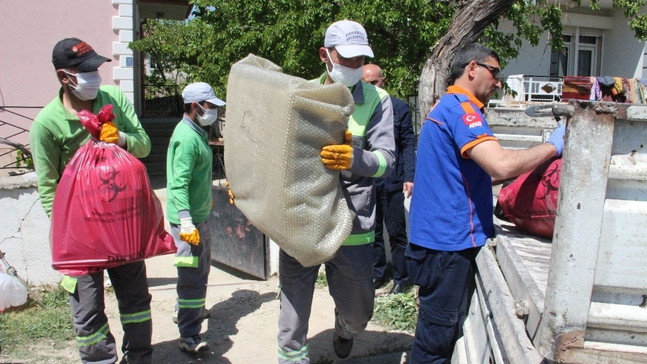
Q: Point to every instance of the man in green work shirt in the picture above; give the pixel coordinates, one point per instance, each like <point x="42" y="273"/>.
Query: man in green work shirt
<point x="189" y="179"/>
<point x="55" y="136"/>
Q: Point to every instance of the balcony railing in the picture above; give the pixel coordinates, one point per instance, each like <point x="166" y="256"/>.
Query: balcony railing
<point x="524" y="89"/>
<point x="17" y="156"/>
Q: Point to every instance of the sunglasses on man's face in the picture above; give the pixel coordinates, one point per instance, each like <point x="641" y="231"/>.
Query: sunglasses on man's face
<point x="494" y="71"/>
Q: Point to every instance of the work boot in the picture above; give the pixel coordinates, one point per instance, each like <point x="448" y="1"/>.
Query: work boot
<point x="400" y="288"/>
<point x="193" y="345"/>
<point x="342" y="346"/>
<point x="379" y="283"/>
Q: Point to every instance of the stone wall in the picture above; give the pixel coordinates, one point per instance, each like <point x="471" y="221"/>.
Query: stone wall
<point x="24" y="232"/>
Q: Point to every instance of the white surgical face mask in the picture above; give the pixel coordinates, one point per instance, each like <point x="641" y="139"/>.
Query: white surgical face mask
<point x="345" y="75"/>
<point x="210" y="116"/>
<point x="87" y="84"/>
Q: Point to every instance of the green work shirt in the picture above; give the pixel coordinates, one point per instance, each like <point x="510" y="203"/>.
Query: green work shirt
<point x="56" y="134"/>
<point x="188" y="173"/>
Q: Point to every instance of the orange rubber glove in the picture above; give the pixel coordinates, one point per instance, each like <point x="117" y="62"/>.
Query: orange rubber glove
<point x="232" y="198"/>
<point x="188" y="232"/>
<point x="339" y="156"/>
<point x="110" y="134"/>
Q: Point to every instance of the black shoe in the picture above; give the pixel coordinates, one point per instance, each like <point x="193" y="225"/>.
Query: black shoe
<point x="400" y="288"/>
<point x="193" y="345"/>
<point x="342" y="346"/>
<point x="379" y="283"/>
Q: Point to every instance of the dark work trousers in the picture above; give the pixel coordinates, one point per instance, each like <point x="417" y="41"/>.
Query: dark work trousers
<point x="193" y="265"/>
<point x="390" y="214"/>
<point x="96" y="343"/>
<point x="350" y="285"/>
<point x="445" y="279"/>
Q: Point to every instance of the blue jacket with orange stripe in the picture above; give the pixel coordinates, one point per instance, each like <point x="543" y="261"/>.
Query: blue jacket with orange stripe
<point x="451" y="207"/>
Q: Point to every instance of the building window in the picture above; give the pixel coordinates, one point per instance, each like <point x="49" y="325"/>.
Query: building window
<point x="559" y="60"/>
<point x="580" y="55"/>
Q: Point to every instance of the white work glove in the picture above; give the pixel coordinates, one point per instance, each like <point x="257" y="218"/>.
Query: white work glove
<point x="188" y="232"/>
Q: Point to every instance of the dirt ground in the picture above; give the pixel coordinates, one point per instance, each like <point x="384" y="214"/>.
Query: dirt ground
<point x="242" y="327"/>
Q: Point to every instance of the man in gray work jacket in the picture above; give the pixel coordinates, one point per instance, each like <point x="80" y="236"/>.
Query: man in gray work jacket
<point x="367" y="153"/>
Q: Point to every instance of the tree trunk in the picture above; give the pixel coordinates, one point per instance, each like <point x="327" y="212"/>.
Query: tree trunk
<point x="470" y="20"/>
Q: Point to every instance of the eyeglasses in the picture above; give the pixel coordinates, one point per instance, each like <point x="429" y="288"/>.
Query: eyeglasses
<point x="374" y="82"/>
<point x="494" y="71"/>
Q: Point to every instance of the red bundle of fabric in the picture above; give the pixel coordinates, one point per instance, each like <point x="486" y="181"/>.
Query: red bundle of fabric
<point x="530" y="201"/>
<point x="105" y="213"/>
<point x="576" y="88"/>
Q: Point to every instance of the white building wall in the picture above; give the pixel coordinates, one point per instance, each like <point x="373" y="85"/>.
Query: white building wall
<point x="122" y="25"/>
<point x="623" y="54"/>
<point x="534" y="61"/>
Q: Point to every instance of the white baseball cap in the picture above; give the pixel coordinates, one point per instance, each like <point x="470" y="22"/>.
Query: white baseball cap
<point x="200" y="91"/>
<point x="348" y="38"/>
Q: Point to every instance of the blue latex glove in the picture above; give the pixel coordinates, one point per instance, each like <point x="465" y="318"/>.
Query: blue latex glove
<point x="557" y="138"/>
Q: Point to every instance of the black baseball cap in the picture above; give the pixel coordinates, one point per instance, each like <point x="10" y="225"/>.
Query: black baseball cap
<point x="73" y="52"/>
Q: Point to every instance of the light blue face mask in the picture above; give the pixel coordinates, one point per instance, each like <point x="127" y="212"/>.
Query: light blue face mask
<point x="87" y="84"/>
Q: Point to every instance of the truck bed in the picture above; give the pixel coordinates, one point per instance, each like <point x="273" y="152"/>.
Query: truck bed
<point x="582" y="296"/>
<point x="524" y="261"/>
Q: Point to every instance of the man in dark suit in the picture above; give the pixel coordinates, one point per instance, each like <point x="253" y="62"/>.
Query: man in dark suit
<point x="390" y="193"/>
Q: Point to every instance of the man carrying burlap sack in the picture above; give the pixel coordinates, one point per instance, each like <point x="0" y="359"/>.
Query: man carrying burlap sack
<point x="367" y="153"/>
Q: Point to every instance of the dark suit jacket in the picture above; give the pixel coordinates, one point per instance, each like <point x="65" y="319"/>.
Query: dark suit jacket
<point x="405" y="153"/>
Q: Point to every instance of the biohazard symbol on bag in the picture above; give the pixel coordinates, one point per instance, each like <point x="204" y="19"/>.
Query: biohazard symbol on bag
<point x="109" y="189"/>
<point x="550" y="179"/>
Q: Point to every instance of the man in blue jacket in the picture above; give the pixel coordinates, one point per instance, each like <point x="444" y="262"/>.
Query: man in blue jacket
<point x="451" y="211"/>
<point x="390" y="193"/>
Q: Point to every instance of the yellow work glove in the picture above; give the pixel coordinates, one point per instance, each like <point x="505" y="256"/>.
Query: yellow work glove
<point x="110" y="134"/>
<point x="338" y="156"/>
<point x="188" y="232"/>
<point x="232" y="198"/>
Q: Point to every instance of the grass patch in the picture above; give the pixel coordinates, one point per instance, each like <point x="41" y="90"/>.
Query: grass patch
<point x="393" y="312"/>
<point x="397" y="311"/>
<point x="31" y="323"/>
<point x="322" y="281"/>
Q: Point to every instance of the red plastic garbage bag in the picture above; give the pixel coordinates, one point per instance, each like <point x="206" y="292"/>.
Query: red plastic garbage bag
<point x="105" y="213"/>
<point x="530" y="201"/>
